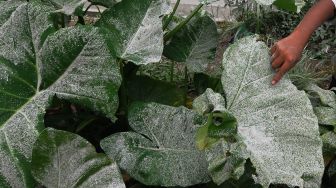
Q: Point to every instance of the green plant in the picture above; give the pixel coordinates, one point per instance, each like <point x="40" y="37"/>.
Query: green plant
<point x="96" y="67"/>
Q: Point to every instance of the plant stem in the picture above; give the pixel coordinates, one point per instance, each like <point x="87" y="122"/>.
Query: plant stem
<point x="171" y="15"/>
<point x="123" y="104"/>
<point x="172" y="71"/>
<point x="258" y="19"/>
<point x="85" y="123"/>
<point x="81" y="20"/>
<point x="183" y="23"/>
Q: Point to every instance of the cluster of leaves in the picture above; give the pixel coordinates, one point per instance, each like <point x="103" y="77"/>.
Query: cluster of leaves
<point x="252" y="133"/>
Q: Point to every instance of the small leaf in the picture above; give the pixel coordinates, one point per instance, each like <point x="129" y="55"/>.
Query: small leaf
<point x="221" y="123"/>
<point x="162" y="151"/>
<point x="209" y="102"/>
<point x="196" y="45"/>
<point x="226" y="160"/>
<point x="63" y="159"/>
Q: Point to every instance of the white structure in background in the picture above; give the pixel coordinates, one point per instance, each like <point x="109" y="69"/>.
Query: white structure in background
<point x="217" y="9"/>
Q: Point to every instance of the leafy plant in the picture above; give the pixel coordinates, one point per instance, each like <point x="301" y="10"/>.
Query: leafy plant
<point x="274" y="124"/>
<point x="250" y="133"/>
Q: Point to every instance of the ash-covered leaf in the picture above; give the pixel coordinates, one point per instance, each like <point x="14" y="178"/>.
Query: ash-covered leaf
<point x="63" y="159"/>
<point x="208" y="102"/>
<point x="162" y="150"/>
<point x="67" y="7"/>
<point x="196" y="45"/>
<point x="80" y="76"/>
<point x="325" y="109"/>
<point x="7" y="8"/>
<point x="136" y="29"/>
<point x="276" y="123"/>
<point x="326" y="97"/>
<point x="220" y="124"/>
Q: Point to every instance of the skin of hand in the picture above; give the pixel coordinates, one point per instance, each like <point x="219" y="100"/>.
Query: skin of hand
<point x="287" y="52"/>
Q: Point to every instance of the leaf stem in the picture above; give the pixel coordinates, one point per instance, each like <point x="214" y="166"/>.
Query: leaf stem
<point x="183" y="23"/>
<point x="172" y="71"/>
<point x="171" y="15"/>
<point x="258" y="19"/>
<point x="123" y="101"/>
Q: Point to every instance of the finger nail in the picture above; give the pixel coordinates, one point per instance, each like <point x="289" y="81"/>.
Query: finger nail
<point x="273" y="82"/>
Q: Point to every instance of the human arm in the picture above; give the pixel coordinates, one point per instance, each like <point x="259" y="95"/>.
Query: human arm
<point x="287" y="52"/>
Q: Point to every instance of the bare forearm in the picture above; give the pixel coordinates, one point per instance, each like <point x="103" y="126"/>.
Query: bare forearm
<point x="319" y="13"/>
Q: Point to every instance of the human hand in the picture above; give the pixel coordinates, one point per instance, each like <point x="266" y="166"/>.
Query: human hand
<point x="285" y="54"/>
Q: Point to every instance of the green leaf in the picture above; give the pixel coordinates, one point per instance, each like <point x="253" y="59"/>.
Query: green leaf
<point x="196" y="45"/>
<point x="276" y="123"/>
<point x="63" y="159"/>
<point x="221" y="123"/>
<point x="290" y="5"/>
<point x="143" y="88"/>
<point x="29" y="61"/>
<point x="162" y="150"/>
<point x="226" y="159"/>
<point x="136" y="29"/>
<point x="67" y="7"/>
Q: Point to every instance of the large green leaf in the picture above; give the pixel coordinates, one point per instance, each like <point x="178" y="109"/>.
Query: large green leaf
<point x="162" y="151"/>
<point x="276" y="123"/>
<point x="196" y="45"/>
<point x="71" y="64"/>
<point x="63" y="159"/>
<point x="136" y="29"/>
